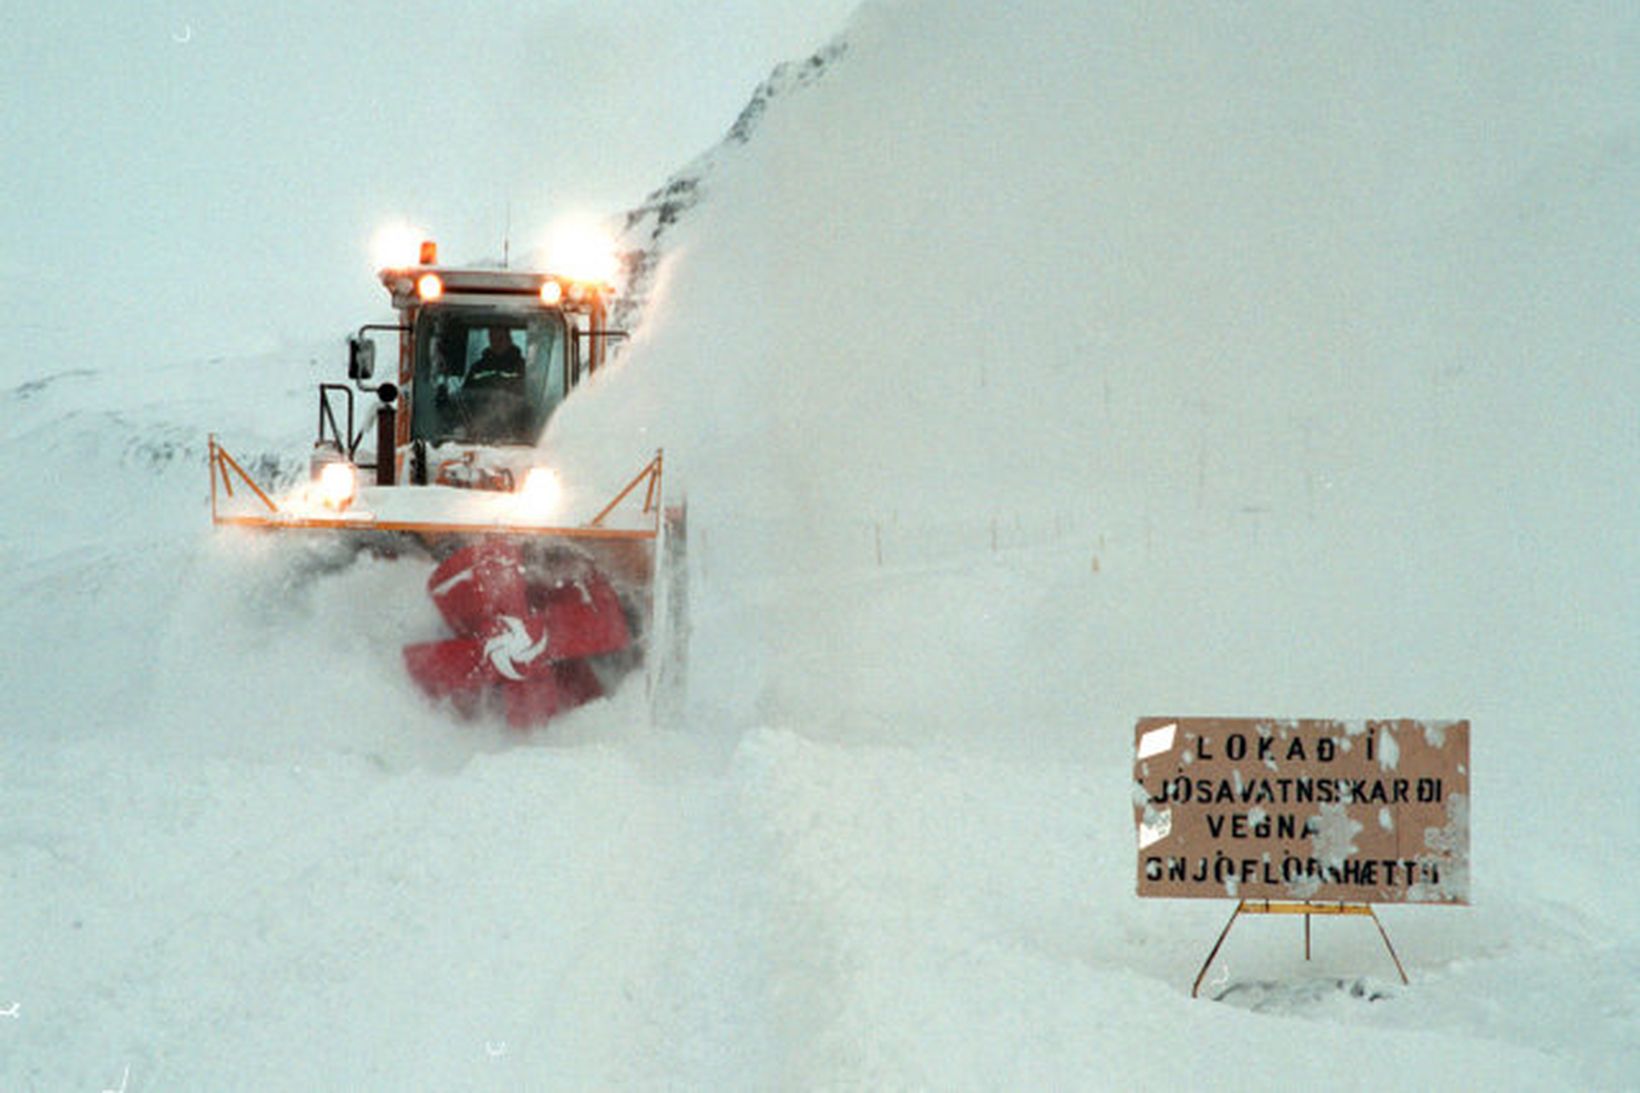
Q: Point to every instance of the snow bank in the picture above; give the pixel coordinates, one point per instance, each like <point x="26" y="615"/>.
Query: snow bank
<point x="1278" y="362"/>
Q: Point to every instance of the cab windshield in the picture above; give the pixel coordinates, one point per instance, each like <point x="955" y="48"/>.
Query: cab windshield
<point x="486" y="377"/>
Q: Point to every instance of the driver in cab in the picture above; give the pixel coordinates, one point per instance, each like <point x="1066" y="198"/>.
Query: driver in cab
<point x="492" y="399"/>
<point x="500" y="367"/>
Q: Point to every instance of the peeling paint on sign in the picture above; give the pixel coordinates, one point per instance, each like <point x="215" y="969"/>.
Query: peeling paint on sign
<point x="1353" y="811"/>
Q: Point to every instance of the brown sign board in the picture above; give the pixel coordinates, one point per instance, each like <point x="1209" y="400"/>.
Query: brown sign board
<point x="1325" y="811"/>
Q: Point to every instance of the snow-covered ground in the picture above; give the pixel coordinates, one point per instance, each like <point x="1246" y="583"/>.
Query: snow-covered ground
<point x="1026" y="372"/>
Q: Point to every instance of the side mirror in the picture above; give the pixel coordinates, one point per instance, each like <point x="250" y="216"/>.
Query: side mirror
<point x="361" y="358"/>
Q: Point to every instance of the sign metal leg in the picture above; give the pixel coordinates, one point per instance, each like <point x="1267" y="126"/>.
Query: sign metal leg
<point x="1269" y="907"/>
<point x="1208" y="963"/>
<point x="1385" y="935"/>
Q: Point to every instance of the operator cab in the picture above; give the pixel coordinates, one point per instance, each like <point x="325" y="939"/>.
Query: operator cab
<point x="486" y="357"/>
<point x="486" y="376"/>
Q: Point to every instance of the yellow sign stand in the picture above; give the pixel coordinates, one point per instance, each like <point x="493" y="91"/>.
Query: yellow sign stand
<point x="1270" y="907"/>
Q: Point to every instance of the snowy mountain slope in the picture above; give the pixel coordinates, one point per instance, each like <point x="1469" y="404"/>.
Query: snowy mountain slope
<point x="1025" y="374"/>
<point x="646" y="228"/>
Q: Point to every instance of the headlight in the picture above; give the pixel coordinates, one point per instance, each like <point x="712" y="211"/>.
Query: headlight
<point x="398" y="246"/>
<point x="541" y="493"/>
<point x="338" y="484"/>
<point x="580" y="250"/>
<point x="430" y="286"/>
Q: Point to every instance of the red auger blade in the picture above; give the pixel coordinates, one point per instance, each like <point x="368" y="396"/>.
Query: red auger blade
<point x="451" y="667"/>
<point x="572" y="683"/>
<point x="584" y="619"/>
<point x="477" y="583"/>
<point x="526" y="637"/>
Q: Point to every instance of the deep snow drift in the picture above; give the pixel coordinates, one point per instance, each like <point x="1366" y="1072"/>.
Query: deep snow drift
<point x="1026" y="373"/>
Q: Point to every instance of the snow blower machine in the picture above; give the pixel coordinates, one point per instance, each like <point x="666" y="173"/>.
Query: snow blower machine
<point x="547" y="609"/>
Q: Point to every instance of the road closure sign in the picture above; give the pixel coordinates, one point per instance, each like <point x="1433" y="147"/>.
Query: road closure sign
<point x="1349" y="811"/>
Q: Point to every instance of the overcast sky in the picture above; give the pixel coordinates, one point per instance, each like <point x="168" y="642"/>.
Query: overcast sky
<point x="193" y="177"/>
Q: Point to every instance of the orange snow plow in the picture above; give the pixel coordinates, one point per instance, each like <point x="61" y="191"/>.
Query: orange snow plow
<point x="551" y="602"/>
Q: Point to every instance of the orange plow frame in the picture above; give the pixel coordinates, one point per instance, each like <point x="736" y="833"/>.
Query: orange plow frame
<point x="224" y="469"/>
